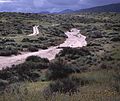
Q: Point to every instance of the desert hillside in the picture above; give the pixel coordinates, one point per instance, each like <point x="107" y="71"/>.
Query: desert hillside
<point x="60" y="57"/>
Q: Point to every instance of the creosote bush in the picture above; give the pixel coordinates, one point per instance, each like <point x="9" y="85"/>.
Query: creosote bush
<point x="59" y="69"/>
<point x="70" y="84"/>
<point x="65" y="85"/>
<point x="32" y="49"/>
<point x="7" y="52"/>
<point x="37" y="59"/>
<point x="81" y="52"/>
<point x="30" y="70"/>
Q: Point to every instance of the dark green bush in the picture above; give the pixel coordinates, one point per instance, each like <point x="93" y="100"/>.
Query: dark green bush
<point x="74" y="53"/>
<point x="37" y="59"/>
<point x="32" y="49"/>
<point x="115" y="39"/>
<point x="59" y="70"/>
<point x="64" y="86"/>
<point x="27" y="71"/>
<point x="6" y="52"/>
<point x="3" y="84"/>
<point x="26" y="40"/>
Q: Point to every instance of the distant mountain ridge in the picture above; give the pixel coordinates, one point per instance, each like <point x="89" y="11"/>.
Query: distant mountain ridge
<point x="61" y="12"/>
<point x="66" y="11"/>
<point x="106" y="8"/>
<point x="44" y="12"/>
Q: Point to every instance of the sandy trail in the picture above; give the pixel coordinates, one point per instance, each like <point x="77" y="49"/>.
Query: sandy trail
<point x="75" y="39"/>
<point x="35" y="31"/>
<point x="14" y="60"/>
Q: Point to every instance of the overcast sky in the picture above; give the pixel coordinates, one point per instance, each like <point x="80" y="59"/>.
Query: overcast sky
<point x="49" y="5"/>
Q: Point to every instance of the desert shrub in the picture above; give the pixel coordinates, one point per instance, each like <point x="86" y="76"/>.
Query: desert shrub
<point x="26" y="40"/>
<point x="29" y="65"/>
<point x="59" y="70"/>
<point x="42" y="39"/>
<point x="115" y="39"/>
<point x="43" y="47"/>
<point x="54" y="31"/>
<point x="67" y="26"/>
<point x="80" y="52"/>
<point x="37" y="59"/>
<point x="3" y="84"/>
<point x="25" y="71"/>
<point x="19" y="31"/>
<point x="103" y="66"/>
<point x="7" y="40"/>
<point x="7" y="52"/>
<point x="30" y="70"/>
<point x="96" y="34"/>
<point x="64" y="85"/>
<point x="93" y="44"/>
<point x="5" y="74"/>
<point x="32" y="49"/>
<point x="107" y="57"/>
<point x="67" y="85"/>
<point x="113" y="33"/>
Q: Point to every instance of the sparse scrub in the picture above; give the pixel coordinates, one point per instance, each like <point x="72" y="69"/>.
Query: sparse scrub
<point x="76" y="74"/>
<point x="7" y="52"/>
<point x="32" y="49"/>
<point x="37" y="59"/>
<point x="64" y="86"/>
<point x="59" y="70"/>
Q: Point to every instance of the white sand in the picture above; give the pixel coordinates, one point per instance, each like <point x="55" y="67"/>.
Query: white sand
<point x="35" y="31"/>
<point x="74" y="40"/>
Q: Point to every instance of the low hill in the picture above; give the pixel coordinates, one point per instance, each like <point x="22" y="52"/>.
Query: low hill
<point x="105" y="8"/>
<point x="66" y="11"/>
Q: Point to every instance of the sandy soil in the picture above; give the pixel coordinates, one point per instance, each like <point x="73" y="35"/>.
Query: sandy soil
<point x="35" y="31"/>
<point x="75" y="39"/>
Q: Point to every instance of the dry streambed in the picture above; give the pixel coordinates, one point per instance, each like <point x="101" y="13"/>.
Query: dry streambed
<point x="74" y="40"/>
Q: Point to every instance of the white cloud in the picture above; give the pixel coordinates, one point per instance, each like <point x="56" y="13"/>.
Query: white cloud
<point x="5" y="1"/>
<point x="40" y="3"/>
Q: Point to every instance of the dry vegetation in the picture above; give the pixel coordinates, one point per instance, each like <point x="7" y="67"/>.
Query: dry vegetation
<point x="91" y="73"/>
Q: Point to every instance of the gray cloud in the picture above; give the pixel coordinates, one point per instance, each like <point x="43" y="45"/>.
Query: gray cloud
<point x="50" y="5"/>
<point x="64" y="2"/>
